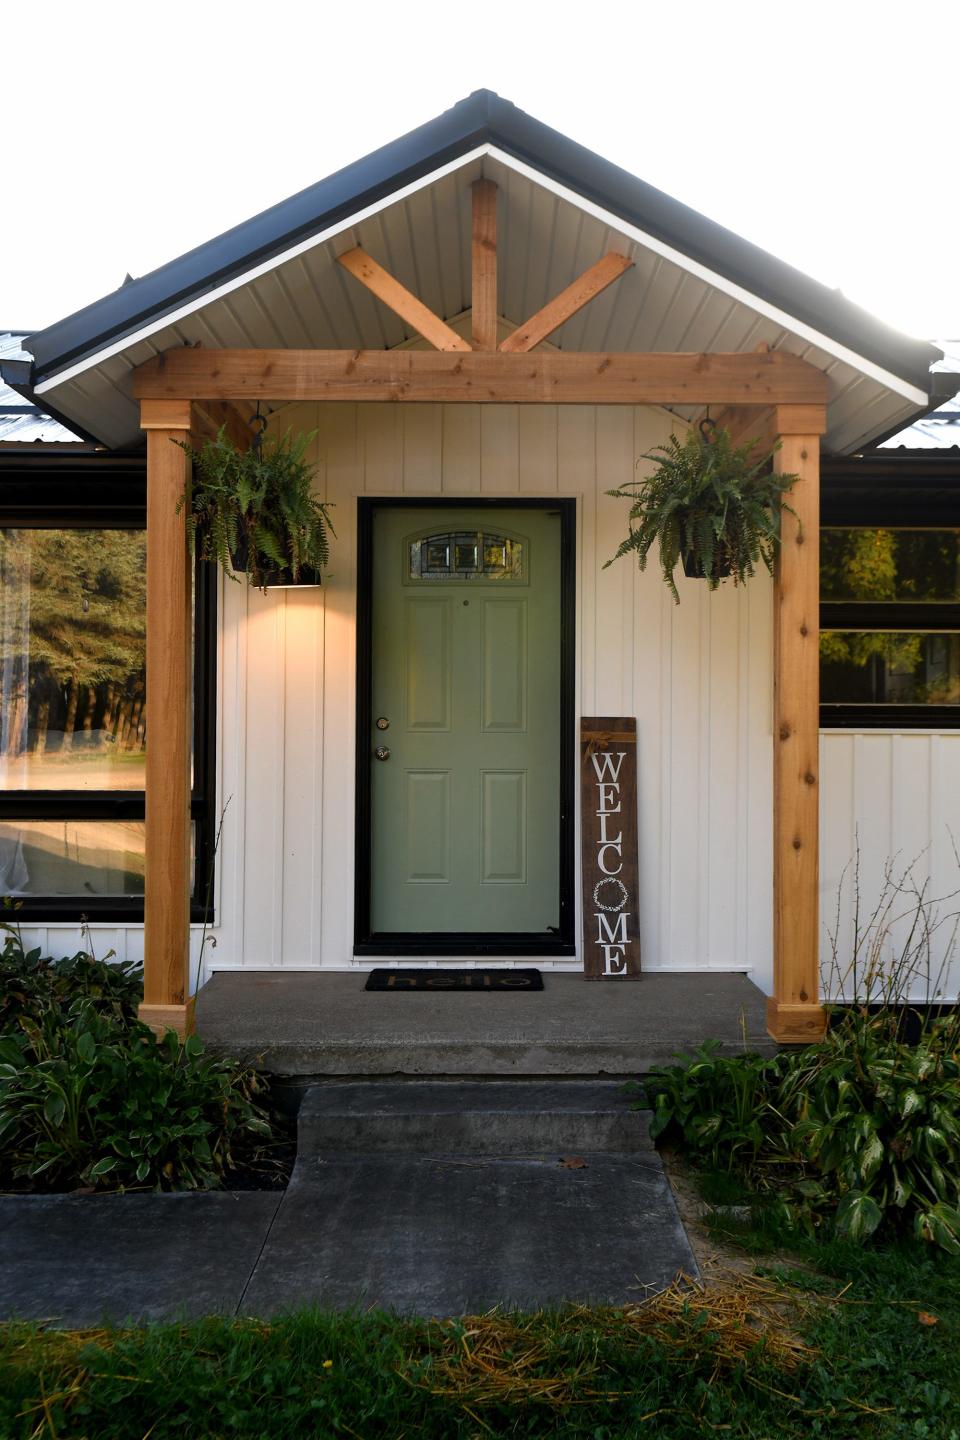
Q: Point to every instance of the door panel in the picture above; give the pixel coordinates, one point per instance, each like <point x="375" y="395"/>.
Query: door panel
<point x="503" y="822"/>
<point x="429" y="677"/>
<point x="465" y="807"/>
<point x="503" y="626"/>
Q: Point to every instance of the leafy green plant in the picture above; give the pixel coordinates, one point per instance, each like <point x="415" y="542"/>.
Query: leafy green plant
<point x="709" y="503"/>
<point x="716" y="1106"/>
<point x="89" y="1099"/>
<point x="31" y="984"/>
<point x="861" y="1130"/>
<point x="255" y="510"/>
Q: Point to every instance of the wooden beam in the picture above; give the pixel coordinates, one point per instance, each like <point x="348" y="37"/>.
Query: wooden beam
<point x="401" y="301"/>
<point x="760" y="425"/>
<point x="209" y="416"/>
<point x="166" y="973"/>
<point x="566" y="304"/>
<point x="548" y="378"/>
<point x="794" y="1012"/>
<point x="484" y="265"/>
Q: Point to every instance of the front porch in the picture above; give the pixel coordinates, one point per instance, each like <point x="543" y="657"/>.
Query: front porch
<point x="327" y="1024"/>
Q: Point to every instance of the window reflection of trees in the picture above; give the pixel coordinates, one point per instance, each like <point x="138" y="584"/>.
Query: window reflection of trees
<point x="886" y="567"/>
<point x="72" y="644"/>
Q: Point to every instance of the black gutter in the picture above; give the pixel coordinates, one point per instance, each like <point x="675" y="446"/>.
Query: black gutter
<point x="483" y="118"/>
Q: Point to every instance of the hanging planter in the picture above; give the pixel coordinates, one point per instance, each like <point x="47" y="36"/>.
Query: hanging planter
<point x="711" y="506"/>
<point x="254" y="511"/>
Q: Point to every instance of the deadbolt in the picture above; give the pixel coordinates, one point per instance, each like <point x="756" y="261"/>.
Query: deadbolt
<point x="382" y="753"/>
<point x="383" y="723"/>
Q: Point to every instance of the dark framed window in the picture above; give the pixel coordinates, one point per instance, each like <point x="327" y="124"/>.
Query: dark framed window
<point x="890" y="593"/>
<point x="73" y="683"/>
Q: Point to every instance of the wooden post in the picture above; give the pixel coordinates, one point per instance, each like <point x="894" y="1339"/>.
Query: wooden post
<point x="166" y="967"/>
<point x="794" y="1012"/>
<point x="484" y="265"/>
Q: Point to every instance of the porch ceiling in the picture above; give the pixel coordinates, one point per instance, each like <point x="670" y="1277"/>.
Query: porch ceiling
<point x="548" y="234"/>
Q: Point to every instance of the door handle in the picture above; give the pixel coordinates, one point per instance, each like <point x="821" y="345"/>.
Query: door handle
<point x="382" y="753"/>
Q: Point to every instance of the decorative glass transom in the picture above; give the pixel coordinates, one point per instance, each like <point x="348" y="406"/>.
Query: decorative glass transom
<point x="467" y="555"/>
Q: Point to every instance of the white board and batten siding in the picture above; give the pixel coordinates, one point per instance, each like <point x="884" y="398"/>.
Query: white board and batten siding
<point x="895" y="796"/>
<point x="698" y="677"/>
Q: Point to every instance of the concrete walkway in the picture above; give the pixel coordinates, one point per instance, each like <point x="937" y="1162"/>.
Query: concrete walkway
<point x="436" y="1198"/>
<point x="327" y="1024"/>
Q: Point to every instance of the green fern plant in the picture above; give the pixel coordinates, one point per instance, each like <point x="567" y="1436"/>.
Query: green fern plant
<point x="254" y="511"/>
<point x="711" y="504"/>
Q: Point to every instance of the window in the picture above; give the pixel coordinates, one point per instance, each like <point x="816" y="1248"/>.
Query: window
<point x="466" y="555"/>
<point x="73" y="736"/>
<point x="889" y="606"/>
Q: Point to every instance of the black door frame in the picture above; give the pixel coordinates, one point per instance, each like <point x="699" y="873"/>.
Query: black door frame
<point x="548" y="945"/>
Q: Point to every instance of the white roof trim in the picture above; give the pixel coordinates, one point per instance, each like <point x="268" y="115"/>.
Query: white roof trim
<point x="200" y="301"/>
<point x="727" y="287"/>
<point x="736" y="292"/>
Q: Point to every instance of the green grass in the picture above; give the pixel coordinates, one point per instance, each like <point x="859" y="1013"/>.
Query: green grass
<point x="834" y="1345"/>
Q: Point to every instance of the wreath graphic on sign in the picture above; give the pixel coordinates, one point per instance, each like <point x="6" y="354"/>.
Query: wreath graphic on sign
<point x="610" y="880"/>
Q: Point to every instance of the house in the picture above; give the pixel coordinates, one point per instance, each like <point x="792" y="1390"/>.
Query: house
<point x="484" y="328"/>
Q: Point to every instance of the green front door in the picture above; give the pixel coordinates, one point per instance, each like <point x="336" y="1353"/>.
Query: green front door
<point x="464" y="740"/>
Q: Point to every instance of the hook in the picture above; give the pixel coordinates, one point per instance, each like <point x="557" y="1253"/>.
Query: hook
<point x="707" y="427"/>
<point x="261" y="422"/>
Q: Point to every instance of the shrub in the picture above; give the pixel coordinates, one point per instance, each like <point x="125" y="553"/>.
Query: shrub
<point x="88" y="1098"/>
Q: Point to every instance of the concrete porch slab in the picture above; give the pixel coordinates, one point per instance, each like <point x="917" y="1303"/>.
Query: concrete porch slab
<point x="327" y="1024"/>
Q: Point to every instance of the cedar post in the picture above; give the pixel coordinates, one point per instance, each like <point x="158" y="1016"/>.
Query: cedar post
<point x="167" y="1004"/>
<point x="484" y="265"/>
<point x="794" y="1012"/>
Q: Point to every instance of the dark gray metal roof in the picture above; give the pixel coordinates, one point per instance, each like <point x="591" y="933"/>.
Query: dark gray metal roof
<point x="482" y="118"/>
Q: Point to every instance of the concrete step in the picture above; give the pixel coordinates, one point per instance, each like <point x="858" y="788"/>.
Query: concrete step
<point x="493" y="1117"/>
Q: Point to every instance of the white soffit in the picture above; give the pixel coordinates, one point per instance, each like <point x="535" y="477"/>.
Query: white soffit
<point x="548" y="234"/>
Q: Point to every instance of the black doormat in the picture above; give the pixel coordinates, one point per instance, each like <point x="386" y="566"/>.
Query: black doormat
<point x="396" y="980"/>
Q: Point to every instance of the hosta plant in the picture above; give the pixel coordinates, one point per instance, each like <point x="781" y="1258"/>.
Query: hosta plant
<point x="714" y="506"/>
<point x="255" y="512"/>
<point x="88" y="1100"/>
<point x="860" y="1132"/>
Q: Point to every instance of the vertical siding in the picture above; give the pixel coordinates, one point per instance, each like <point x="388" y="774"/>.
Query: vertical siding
<point x="698" y="676"/>
<point x="892" y="796"/>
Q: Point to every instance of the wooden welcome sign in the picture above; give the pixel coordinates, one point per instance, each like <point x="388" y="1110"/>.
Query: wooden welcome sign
<point x="608" y="806"/>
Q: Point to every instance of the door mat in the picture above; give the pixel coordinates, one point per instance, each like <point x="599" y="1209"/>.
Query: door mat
<point x="396" y="979"/>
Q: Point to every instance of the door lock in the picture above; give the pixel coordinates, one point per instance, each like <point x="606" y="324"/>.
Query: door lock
<point x="382" y="753"/>
<point x="383" y="723"/>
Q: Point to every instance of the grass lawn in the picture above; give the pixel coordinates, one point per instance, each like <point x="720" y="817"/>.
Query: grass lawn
<point x="841" y="1341"/>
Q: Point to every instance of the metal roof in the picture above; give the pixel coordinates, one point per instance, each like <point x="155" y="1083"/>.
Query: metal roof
<point x="22" y="423"/>
<point x="940" y="430"/>
<point x="274" y="281"/>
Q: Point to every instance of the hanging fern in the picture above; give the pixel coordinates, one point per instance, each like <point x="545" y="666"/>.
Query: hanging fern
<point x="254" y="511"/>
<point x="709" y="501"/>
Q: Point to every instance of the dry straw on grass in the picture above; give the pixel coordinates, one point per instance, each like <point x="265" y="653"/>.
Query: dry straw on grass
<point x="506" y="1359"/>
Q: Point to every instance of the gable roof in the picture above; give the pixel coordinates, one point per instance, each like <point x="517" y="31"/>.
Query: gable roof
<point x="714" y="289"/>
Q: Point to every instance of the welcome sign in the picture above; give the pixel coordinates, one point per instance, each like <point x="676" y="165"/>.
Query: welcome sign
<point x="608" y="804"/>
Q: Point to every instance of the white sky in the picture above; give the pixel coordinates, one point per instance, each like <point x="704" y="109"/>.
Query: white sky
<point x="135" y="131"/>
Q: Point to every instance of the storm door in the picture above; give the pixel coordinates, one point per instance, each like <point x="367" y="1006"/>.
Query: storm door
<point x="465" y="726"/>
